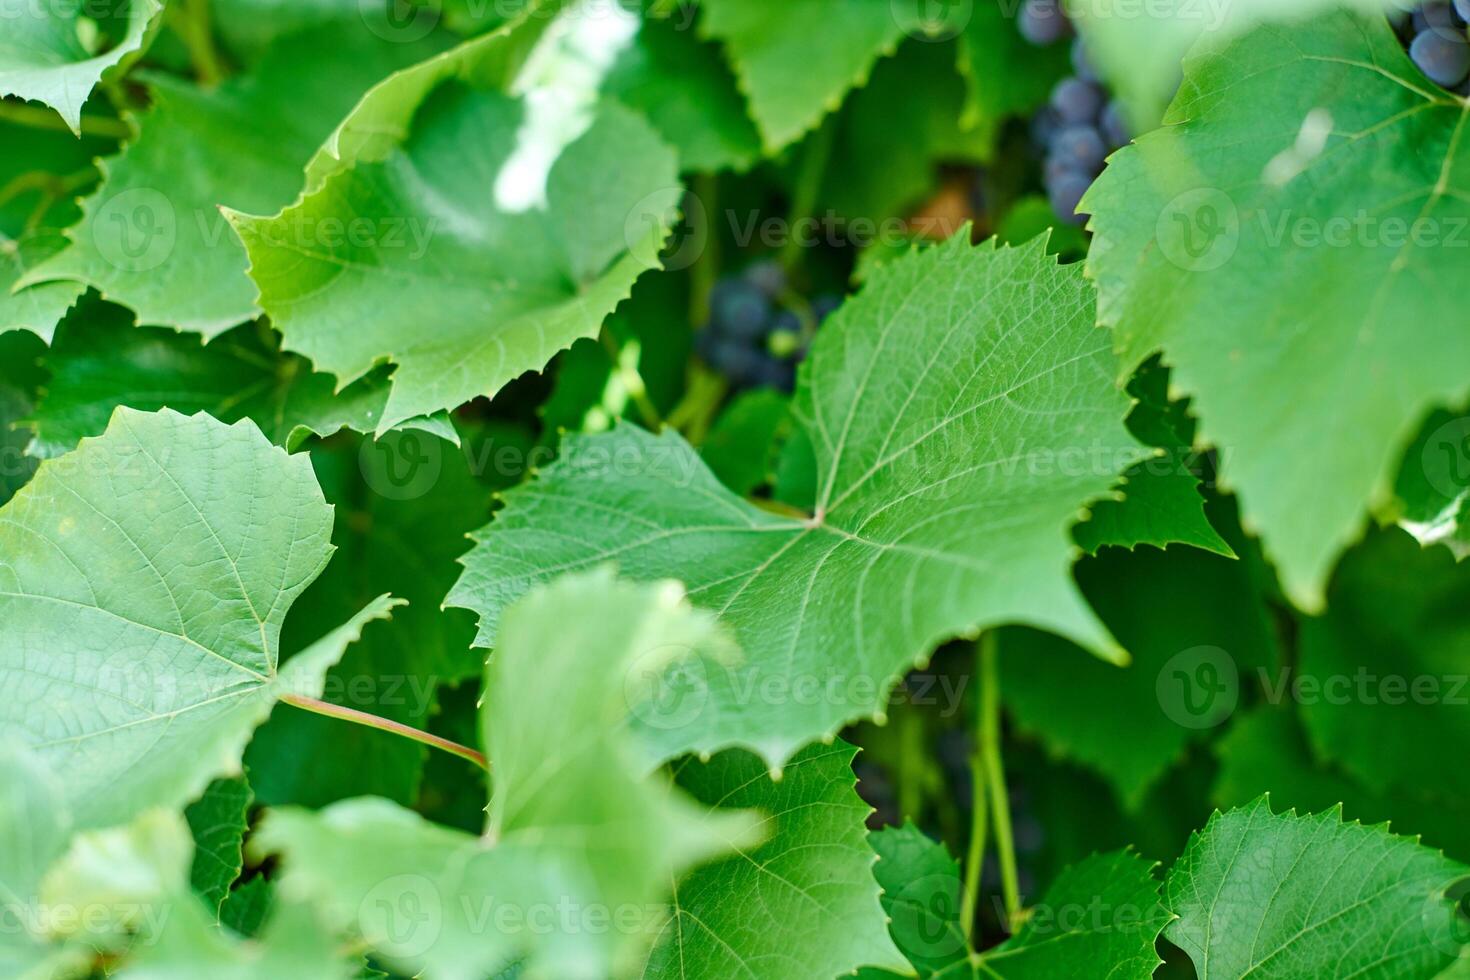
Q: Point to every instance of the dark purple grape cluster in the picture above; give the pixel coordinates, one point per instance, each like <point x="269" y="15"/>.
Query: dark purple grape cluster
<point x="758" y="331"/>
<point x="1080" y="124"/>
<point x="1435" y="34"/>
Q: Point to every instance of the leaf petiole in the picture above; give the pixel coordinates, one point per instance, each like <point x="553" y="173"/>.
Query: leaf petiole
<point x="995" y="778"/>
<point x="320" y="707"/>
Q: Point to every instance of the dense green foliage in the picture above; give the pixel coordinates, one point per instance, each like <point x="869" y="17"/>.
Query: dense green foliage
<point x="601" y="489"/>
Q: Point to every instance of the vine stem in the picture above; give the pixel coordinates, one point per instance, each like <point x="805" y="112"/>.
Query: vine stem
<point x="317" y="706"/>
<point x="975" y="856"/>
<point x="911" y="764"/>
<point x="38" y="118"/>
<point x="197" y="34"/>
<point x="808" y="185"/>
<point x="995" y="778"/>
<point x="706" y="268"/>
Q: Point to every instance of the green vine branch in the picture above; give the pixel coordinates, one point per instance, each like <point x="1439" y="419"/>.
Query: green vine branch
<point x="317" y="706"/>
<point x="991" y="802"/>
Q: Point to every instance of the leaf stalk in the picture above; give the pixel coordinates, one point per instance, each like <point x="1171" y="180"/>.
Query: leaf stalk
<point x="317" y="706"/>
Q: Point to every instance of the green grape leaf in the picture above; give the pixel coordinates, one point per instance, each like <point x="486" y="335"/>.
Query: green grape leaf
<point x="574" y="817"/>
<point x="804" y="903"/>
<point x="1382" y="673"/>
<point x="407" y="503"/>
<point x="153" y="232"/>
<point x="502" y="289"/>
<point x="1263" y="241"/>
<point x="921" y="896"/>
<point x="143" y="583"/>
<point x="741" y="446"/>
<point x="1160" y="498"/>
<point x="217" y="822"/>
<point x="684" y="87"/>
<point x="1139" y="56"/>
<point x="961" y="411"/>
<point x="1197" y="630"/>
<point x="1269" y="895"/>
<point x="99" y="361"/>
<point x="791" y="80"/>
<point x="44" y="56"/>
<point x="1266" y="751"/>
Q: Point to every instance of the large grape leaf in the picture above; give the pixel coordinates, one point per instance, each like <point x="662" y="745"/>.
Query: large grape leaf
<point x="143" y="581"/>
<point x="99" y="360"/>
<point x="44" y="56"/>
<point x="1261" y="239"/>
<point x="574" y="820"/>
<point x="152" y="238"/>
<point x="407" y="503"/>
<point x="960" y="410"/>
<point x="802" y="904"/>
<point x="1113" y="937"/>
<point x="1383" y="673"/>
<point x="477" y="291"/>
<point x="1270" y="896"/>
<point x="796" y="61"/>
<point x="1198" y="633"/>
<point x="1140" y="55"/>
